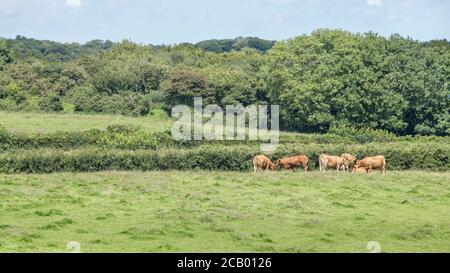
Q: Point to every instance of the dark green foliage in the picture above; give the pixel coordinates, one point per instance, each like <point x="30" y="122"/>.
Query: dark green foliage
<point x="226" y="45"/>
<point x="125" y="103"/>
<point x="5" y="54"/>
<point x="51" y="103"/>
<point x="5" y="139"/>
<point x="127" y="67"/>
<point x="362" y="135"/>
<point x="119" y="136"/>
<point x="335" y="77"/>
<point x="433" y="157"/>
<point x="53" y="51"/>
<point x="183" y="85"/>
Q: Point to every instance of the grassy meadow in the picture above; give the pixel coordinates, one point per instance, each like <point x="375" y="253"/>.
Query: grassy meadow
<point x="214" y="211"/>
<point x="54" y="122"/>
<point x="225" y="212"/>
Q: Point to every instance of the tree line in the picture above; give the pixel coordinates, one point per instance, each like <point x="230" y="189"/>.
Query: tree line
<point x="325" y="79"/>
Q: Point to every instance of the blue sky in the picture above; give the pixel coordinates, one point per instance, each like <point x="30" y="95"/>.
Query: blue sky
<point x="175" y="21"/>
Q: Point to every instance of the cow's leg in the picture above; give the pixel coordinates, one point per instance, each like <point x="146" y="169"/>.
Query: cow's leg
<point x="306" y="168"/>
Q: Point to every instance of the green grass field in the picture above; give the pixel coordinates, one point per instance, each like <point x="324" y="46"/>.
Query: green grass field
<point x="225" y="212"/>
<point x="202" y="211"/>
<point x="48" y="122"/>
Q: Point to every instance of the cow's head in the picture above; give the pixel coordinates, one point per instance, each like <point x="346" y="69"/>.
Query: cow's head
<point x="277" y="164"/>
<point x="272" y="167"/>
<point x="357" y="164"/>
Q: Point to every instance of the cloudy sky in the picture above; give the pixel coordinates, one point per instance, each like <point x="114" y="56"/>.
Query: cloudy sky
<point x="175" y="21"/>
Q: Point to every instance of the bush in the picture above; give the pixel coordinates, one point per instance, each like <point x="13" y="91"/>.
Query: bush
<point x="430" y="157"/>
<point x="123" y="128"/>
<point x="125" y="136"/>
<point x="51" y="103"/>
<point x="362" y="135"/>
<point x="69" y="108"/>
<point x="4" y="139"/>
<point x="126" y="103"/>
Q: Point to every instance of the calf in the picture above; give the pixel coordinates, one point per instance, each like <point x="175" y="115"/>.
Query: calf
<point x="372" y="163"/>
<point x="359" y="170"/>
<point x="262" y="162"/>
<point x="293" y="162"/>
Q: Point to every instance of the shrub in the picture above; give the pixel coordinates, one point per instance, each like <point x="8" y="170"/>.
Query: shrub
<point x="362" y="135"/>
<point x="124" y="136"/>
<point x="4" y="139"/>
<point x="123" y="128"/>
<point x="430" y="157"/>
<point x="69" y="108"/>
<point x="51" y="103"/>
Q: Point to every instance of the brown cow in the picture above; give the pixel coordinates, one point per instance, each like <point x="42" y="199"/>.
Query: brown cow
<point x="349" y="161"/>
<point x="293" y="162"/>
<point x="359" y="170"/>
<point x="262" y="162"/>
<point x="372" y="163"/>
<point x="331" y="161"/>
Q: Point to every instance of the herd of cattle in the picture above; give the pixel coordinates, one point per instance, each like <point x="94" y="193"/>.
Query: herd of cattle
<point x="345" y="162"/>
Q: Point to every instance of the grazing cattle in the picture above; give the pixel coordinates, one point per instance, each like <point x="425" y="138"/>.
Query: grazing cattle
<point x="359" y="170"/>
<point x="349" y="162"/>
<point x="372" y="163"/>
<point x="293" y="162"/>
<point x="262" y="162"/>
<point x="330" y="161"/>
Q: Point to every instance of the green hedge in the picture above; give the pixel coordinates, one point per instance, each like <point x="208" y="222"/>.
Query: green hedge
<point x="432" y="157"/>
<point x="130" y="137"/>
<point x="115" y="137"/>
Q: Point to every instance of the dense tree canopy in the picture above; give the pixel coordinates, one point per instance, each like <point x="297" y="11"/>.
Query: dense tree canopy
<point x="227" y="45"/>
<point x="319" y="80"/>
<point x="335" y="77"/>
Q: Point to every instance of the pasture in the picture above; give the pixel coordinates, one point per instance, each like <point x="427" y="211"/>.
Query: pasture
<point x="199" y="211"/>
<point x="54" y="122"/>
<point x="179" y="198"/>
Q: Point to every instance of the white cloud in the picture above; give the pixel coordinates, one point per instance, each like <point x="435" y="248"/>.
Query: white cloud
<point x="373" y="2"/>
<point x="73" y="3"/>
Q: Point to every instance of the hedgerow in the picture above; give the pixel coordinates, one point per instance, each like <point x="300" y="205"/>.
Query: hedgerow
<point x="406" y="156"/>
<point x="129" y="137"/>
